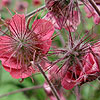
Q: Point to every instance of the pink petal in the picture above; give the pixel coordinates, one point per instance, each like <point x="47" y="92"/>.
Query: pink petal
<point x="68" y="82"/>
<point x="6" y="68"/>
<point x="45" y="45"/>
<point x="10" y="63"/>
<point x="91" y="65"/>
<point x="22" y="73"/>
<point x="16" y="71"/>
<point x="4" y="40"/>
<point x="96" y="48"/>
<point x="89" y="11"/>
<point x="43" y="28"/>
<point x="72" y="21"/>
<point x="96" y="19"/>
<point x="44" y="64"/>
<point x="49" y="16"/>
<point x="17" y="24"/>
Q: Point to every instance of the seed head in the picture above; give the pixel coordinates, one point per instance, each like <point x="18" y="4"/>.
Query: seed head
<point x="23" y="45"/>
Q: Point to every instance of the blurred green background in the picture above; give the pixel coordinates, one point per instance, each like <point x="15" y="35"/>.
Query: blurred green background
<point x="89" y="91"/>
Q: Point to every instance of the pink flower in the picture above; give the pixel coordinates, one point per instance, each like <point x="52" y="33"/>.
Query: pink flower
<point x="90" y="12"/>
<point x="96" y="48"/>
<point x="6" y="2"/>
<point x="72" y="21"/>
<point x="50" y="95"/>
<point x="23" y="45"/>
<point x="88" y="73"/>
<point x="69" y="23"/>
<point x="78" y="62"/>
<point x="36" y="2"/>
<point x="56" y="22"/>
<point x="60" y="15"/>
<point x="54" y="77"/>
<point x="21" y="6"/>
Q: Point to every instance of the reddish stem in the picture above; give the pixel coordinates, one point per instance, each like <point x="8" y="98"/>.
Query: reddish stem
<point x="49" y="82"/>
<point x="33" y="12"/>
<point x="77" y="92"/>
<point x="94" y="6"/>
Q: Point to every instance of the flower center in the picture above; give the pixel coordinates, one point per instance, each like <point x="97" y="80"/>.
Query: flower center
<point x="25" y="49"/>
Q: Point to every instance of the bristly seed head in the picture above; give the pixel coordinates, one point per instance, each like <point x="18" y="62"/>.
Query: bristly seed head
<point x="26" y="44"/>
<point x="25" y="47"/>
<point x="73" y="54"/>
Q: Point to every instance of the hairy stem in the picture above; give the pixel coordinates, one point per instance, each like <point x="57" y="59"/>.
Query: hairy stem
<point x="49" y="82"/>
<point x="21" y="90"/>
<point x="77" y="92"/>
<point x="94" y="6"/>
<point x="33" y="12"/>
<point x="61" y="38"/>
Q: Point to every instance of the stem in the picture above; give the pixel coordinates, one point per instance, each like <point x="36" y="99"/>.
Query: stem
<point x="94" y="6"/>
<point x="61" y="38"/>
<point x="49" y="82"/>
<point x="33" y="12"/>
<point x="3" y="31"/>
<point x="77" y="92"/>
<point x="21" y="90"/>
<point x="70" y="39"/>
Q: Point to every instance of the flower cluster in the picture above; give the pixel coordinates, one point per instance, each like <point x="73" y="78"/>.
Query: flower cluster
<point x="23" y="48"/>
<point x="56" y="80"/>
<point x="62" y="14"/>
<point x="79" y="59"/>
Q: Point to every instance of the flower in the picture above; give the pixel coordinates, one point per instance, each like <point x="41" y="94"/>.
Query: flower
<point x="90" y="12"/>
<point x="23" y="45"/>
<point x="21" y="6"/>
<point x="6" y="2"/>
<point x="96" y="48"/>
<point x="50" y="95"/>
<point x="72" y="21"/>
<point x="88" y="73"/>
<point x="36" y="2"/>
<point x="62" y="15"/>
<point x="78" y="61"/>
<point x="54" y="77"/>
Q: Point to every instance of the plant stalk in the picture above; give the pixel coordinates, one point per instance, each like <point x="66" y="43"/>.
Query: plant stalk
<point x="33" y="12"/>
<point x="49" y="82"/>
<point x="22" y="90"/>
<point x="94" y="6"/>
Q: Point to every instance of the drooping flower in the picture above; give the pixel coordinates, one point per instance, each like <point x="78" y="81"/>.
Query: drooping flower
<point x="77" y="76"/>
<point x="23" y="45"/>
<point x="21" y="6"/>
<point x="89" y="72"/>
<point x="90" y="12"/>
<point x="77" y="60"/>
<point x="54" y="77"/>
<point x="62" y="14"/>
